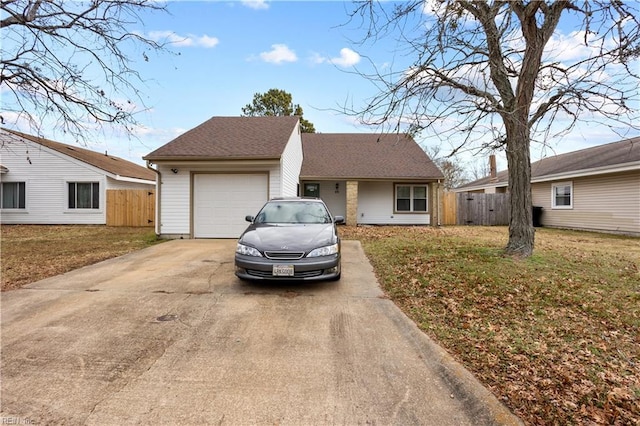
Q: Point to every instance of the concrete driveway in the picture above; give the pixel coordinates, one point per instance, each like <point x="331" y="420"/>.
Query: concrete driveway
<point x="168" y="335"/>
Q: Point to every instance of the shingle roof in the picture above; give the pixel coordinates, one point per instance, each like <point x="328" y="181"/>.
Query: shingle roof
<point x="362" y="156"/>
<point x="230" y="138"/>
<point x="108" y="163"/>
<point x="602" y="156"/>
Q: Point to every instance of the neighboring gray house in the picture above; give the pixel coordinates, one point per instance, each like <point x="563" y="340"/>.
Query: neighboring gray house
<point x="215" y="174"/>
<point x="596" y="189"/>
<point x="47" y="182"/>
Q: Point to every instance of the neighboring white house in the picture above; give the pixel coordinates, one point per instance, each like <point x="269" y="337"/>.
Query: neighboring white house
<point x="47" y="182"/>
<point x="214" y="175"/>
<point x="595" y="189"/>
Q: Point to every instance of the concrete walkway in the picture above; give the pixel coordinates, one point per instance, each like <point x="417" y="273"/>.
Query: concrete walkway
<point x="168" y="335"/>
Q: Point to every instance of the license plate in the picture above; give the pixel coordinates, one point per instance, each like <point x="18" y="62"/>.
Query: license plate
<point x="283" y="270"/>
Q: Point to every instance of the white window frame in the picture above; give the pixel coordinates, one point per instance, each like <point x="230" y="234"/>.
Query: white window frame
<point x="84" y="209"/>
<point x="553" y="195"/>
<point x="15" y="209"/>
<point x="411" y="198"/>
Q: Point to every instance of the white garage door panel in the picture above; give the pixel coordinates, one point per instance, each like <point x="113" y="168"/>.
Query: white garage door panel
<point x="221" y="201"/>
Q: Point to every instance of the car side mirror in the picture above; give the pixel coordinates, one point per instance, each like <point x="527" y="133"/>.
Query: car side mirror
<point x="338" y="219"/>
<point x="249" y="218"/>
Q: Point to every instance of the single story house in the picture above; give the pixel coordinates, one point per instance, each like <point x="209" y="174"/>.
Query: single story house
<point x="371" y="179"/>
<point x="595" y="189"/>
<point x="47" y="182"/>
<point x="215" y="174"/>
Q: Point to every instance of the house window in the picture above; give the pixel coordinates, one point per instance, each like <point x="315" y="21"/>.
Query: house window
<point x="13" y="195"/>
<point x="562" y="195"/>
<point x="311" y="190"/>
<point x="411" y="198"/>
<point x="84" y="195"/>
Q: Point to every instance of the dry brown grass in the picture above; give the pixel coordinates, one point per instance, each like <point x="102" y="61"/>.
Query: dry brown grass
<point x="34" y="252"/>
<point x="556" y="337"/>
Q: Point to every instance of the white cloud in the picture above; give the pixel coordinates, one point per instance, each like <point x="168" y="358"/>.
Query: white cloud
<point x="347" y="58"/>
<point x="256" y="4"/>
<point x="278" y="54"/>
<point x="189" y="40"/>
<point x="207" y="41"/>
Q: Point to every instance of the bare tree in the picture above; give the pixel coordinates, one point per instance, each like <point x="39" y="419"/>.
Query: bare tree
<point x="64" y="62"/>
<point x="488" y="67"/>
<point x="479" y="169"/>
<point x="451" y="167"/>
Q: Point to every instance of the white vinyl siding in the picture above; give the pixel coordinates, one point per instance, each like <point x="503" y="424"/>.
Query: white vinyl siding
<point x="175" y="202"/>
<point x="120" y="184"/>
<point x="608" y="203"/>
<point x="376" y="203"/>
<point x="291" y="163"/>
<point x="46" y="174"/>
<point x="176" y="196"/>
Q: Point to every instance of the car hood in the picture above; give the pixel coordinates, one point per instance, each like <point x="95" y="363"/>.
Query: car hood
<point x="289" y="237"/>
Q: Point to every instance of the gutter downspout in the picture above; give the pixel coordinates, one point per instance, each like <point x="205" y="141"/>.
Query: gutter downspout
<point x="438" y="203"/>
<point x="158" y="191"/>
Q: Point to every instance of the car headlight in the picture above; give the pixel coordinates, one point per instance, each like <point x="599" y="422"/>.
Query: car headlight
<point x="324" y="251"/>
<point x="246" y="250"/>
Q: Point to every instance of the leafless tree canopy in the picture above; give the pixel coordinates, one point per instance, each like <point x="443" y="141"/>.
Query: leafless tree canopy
<point x="487" y="73"/>
<point x="451" y="167"/>
<point x="477" y="61"/>
<point x="64" y="62"/>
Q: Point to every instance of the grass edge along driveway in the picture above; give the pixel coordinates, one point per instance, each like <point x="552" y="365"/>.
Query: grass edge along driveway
<point x="34" y="252"/>
<point x="555" y="336"/>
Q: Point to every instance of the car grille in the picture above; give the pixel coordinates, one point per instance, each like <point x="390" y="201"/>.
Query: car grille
<point x="267" y="274"/>
<point x="284" y="255"/>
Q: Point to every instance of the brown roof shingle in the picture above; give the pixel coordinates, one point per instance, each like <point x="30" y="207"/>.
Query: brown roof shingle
<point x="601" y="156"/>
<point x="230" y="138"/>
<point x="108" y="163"/>
<point x="365" y="156"/>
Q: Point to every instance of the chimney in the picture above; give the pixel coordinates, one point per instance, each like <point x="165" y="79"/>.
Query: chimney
<point x="493" y="173"/>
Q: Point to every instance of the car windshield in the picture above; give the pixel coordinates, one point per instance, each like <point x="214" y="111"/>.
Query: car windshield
<point x="293" y="212"/>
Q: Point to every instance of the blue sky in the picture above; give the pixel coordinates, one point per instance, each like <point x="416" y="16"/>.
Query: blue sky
<point x="228" y="50"/>
<point x="231" y="50"/>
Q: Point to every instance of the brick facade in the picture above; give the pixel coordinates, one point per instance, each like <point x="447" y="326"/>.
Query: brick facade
<point x="352" y="203"/>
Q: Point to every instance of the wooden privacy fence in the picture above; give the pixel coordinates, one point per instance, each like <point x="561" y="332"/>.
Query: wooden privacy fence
<point x="471" y="208"/>
<point x="131" y="207"/>
<point x="475" y="208"/>
<point x="449" y="215"/>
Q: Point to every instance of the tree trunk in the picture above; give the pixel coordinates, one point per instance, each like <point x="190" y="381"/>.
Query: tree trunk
<point x="521" y="231"/>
